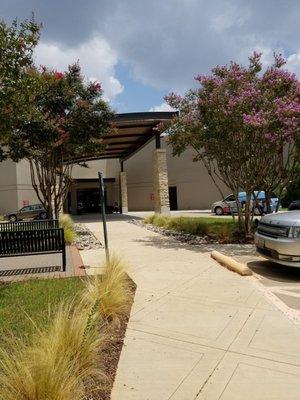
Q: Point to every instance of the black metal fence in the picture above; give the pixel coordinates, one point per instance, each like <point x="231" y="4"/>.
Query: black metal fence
<point x="29" y="225"/>
<point x="29" y="242"/>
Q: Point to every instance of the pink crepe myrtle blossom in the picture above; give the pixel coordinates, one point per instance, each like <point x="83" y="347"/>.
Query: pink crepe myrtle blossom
<point x="174" y="100"/>
<point x="241" y="120"/>
<point x="256" y="119"/>
<point x="95" y="87"/>
<point x="160" y="127"/>
<point x="279" y="60"/>
<point x="58" y="75"/>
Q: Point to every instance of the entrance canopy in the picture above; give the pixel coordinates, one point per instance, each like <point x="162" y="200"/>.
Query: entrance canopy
<point x="132" y="132"/>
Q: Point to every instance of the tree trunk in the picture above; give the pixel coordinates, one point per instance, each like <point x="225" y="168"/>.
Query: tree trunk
<point x="51" y="181"/>
<point x="248" y="214"/>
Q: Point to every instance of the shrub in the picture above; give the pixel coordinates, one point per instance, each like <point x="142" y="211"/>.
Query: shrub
<point x="1" y="217"/>
<point x="66" y="222"/>
<point x="221" y="229"/>
<point x="110" y="292"/>
<point x="57" y="362"/>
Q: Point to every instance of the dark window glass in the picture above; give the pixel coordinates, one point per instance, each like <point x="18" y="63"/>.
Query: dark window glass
<point x="230" y="198"/>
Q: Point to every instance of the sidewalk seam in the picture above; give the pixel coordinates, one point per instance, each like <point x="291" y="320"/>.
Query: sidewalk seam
<point x="225" y="353"/>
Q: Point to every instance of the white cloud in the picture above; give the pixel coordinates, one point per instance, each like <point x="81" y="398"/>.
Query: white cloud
<point x="229" y="18"/>
<point x="166" y="49"/>
<point x="96" y="59"/>
<point x="293" y="63"/>
<point x="162" y="107"/>
<point x="164" y="43"/>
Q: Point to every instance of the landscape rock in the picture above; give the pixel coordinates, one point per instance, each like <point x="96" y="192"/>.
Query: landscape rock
<point x="86" y="240"/>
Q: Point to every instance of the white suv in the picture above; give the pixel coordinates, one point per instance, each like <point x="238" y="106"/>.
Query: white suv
<point x="278" y="238"/>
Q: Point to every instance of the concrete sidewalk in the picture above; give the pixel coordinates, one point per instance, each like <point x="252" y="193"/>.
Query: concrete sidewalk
<point x="198" y="331"/>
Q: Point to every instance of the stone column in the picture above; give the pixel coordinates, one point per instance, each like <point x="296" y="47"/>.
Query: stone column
<point x="123" y="192"/>
<point x="160" y="182"/>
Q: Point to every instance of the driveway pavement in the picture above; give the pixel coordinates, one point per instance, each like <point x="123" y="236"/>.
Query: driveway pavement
<point x="284" y="282"/>
<point x="197" y="330"/>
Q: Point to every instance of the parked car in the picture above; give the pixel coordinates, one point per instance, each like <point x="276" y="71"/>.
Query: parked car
<point x="229" y="204"/>
<point x="295" y="205"/>
<point x="277" y="238"/>
<point x="35" y="211"/>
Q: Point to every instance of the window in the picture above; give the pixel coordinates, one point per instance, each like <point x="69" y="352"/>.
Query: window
<point x="231" y="197"/>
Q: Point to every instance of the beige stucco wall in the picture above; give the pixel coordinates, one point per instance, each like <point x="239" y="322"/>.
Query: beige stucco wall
<point x="8" y="186"/>
<point x="26" y="192"/>
<point x="195" y="189"/>
<point x="109" y="168"/>
<point x="15" y="186"/>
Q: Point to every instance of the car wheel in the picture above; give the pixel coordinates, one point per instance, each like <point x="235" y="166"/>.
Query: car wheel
<point x="13" y="218"/>
<point x="43" y="215"/>
<point x="219" y="211"/>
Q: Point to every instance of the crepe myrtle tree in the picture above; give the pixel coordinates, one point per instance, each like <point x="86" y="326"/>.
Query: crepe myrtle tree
<point x="243" y="123"/>
<point x="68" y="122"/>
<point x="17" y="43"/>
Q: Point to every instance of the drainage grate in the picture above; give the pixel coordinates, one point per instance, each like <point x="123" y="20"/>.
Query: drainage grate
<point x="28" y="271"/>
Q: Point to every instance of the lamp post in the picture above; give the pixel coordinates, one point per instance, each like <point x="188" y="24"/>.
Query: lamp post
<point x="102" y="203"/>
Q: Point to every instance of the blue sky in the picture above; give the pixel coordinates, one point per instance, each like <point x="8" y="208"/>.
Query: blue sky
<point x="141" y="50"/>
<point x="135" y="96"/>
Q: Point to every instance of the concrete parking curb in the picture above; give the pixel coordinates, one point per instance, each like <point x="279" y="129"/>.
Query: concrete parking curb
<point x="231" y="264"/>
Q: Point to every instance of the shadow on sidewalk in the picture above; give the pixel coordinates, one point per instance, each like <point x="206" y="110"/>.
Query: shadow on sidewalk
<point x="165" y="242"/>
<point x="97" y="217"/>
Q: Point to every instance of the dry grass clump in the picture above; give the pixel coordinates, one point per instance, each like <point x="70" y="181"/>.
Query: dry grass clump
<point x="66" y="222"/>
<point x="110" y="292"/>
<point x="57" y="362"/>
<point x="220" y="229"/>
<point x="64" y="357"/>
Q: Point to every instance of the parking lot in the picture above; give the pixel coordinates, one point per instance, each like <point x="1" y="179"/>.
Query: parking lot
<point x="283" y="282"/>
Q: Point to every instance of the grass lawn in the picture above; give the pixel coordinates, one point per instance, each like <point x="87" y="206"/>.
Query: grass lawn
<point x="221" y="228"/>
<point x="36" y="299"/>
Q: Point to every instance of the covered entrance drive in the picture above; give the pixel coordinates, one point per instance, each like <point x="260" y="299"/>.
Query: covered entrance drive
<point x="132" y="132"/>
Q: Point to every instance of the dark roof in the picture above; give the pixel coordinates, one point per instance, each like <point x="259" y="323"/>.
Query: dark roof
<point x="132" y="131"/>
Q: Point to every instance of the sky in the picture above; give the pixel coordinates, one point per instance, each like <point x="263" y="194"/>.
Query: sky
<point x="140" y="50"/>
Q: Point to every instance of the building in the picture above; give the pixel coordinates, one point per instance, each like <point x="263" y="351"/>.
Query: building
<point x="139" y="172"/>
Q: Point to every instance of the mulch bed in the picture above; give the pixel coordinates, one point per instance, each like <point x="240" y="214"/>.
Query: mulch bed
<point x="110" y="356"/>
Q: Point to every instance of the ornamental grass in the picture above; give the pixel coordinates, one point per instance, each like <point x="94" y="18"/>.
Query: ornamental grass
<point x="58" y="360"/>
<point x="110" y="292"/>
<point x="63" y="358"/>
<point x="66" y="222"/>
